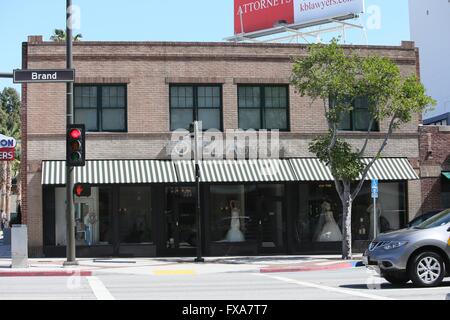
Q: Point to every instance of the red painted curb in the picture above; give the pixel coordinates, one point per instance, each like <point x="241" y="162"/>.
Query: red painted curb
<point x="306" y="268"/>
<point x="45" y="273"/>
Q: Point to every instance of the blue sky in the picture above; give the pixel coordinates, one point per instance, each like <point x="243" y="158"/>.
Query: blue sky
<point x="156" y="20"/>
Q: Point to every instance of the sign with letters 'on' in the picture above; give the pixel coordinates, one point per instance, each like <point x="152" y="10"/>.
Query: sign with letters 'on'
<point x="257" y="15"/>
<point x="7" y="148"/>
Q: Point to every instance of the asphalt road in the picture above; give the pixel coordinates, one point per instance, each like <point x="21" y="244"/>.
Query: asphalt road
<point x="347" y="284"/>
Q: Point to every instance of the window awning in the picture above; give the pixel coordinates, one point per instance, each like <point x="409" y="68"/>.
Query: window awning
<point x="111" y="172"/>
<point x="217" y="171"/>
<point x="446" y="175"/>
<point x="312" y="169"/>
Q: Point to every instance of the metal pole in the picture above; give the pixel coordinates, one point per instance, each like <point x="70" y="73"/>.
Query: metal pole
<point x="375" y="218"/>
<point x="70" y="210"/>
<point x="198" y="207"/>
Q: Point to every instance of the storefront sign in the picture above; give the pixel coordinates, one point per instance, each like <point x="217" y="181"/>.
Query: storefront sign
<point x="49" y="76"/>
<point x="7" y="148"/>
<point x="256" y="15"/>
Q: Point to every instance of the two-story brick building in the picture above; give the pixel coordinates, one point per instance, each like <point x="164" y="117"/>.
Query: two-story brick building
<point x="133" y="95"/>
<point x="435" y="167"/>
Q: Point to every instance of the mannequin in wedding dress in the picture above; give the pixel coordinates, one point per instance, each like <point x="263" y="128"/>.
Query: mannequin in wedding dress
<point x="235" y="234"/>
<point x="330" y="230"/>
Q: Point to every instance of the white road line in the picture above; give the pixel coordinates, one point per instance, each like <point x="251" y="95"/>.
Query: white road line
<point x="328" y="263"/>
<point x="326" y="288"/>
<point x="99" y="289"/>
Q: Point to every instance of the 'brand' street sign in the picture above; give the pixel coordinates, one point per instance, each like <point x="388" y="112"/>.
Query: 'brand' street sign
<point x="48" y="76"/>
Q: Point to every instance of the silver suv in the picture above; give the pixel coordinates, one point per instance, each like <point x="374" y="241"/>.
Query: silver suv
<point x="420" y="254"/>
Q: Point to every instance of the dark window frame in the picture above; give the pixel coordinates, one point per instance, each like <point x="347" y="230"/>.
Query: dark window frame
<point x="263" y="107"/>
<point x="195" y="106"/>
<point x="375" y="126"/>
<point x="100" y="108"/>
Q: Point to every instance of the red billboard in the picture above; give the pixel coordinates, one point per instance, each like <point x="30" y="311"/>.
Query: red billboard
<point x="254" y="15"/>
<point x="7" y="154"/>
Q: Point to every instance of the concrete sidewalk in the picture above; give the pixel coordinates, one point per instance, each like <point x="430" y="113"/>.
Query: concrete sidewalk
<point x="178" y="266"/>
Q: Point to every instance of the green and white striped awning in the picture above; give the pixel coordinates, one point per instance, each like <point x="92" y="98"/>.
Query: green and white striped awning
<point x="215" y="171"/>
<point x="223" y="171"/>
<point x="312" y="169"/>
<point x="111" y="172"/>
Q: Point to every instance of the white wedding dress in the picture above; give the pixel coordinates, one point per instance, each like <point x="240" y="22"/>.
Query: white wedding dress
<point x="330" y="231"/>
<point x="235" y="234"/>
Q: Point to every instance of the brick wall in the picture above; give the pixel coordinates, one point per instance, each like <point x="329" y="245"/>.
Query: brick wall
<point x="434" y="144"/>
<point x="148" y="69"/>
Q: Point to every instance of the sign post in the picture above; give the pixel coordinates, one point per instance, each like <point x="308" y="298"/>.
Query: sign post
<point x="197" y="154"/>
<point x="375" y="197"/>
<point x="70" y="174"/>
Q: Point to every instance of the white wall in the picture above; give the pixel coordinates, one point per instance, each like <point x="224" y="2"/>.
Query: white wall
<point x="430" y="29"/>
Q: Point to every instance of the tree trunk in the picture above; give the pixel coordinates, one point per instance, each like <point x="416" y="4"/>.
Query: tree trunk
<point x="3" y="186"/>
<point x="347" y="223"/>
<point x="8" y="190"/>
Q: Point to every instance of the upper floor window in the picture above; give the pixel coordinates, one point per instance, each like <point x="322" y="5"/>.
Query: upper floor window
<point x="101" y="107"/>
<point x="263" y="107"/>
<point x="190" y="103"/>
<point x="359" y="118"/>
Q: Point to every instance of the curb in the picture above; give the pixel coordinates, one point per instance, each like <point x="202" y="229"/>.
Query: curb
<point x="337" y="266"/>
<point x="56" y="273"/>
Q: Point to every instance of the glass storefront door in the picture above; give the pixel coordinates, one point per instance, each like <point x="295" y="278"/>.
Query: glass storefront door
<point x="134" y="215"/>
<point x="179" y="219"/>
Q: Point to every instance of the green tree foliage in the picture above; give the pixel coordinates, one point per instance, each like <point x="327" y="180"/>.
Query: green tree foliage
<point x="59" y="35"/>
<point x="330" y="72"/>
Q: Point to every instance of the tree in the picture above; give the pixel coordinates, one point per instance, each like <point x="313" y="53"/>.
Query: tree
<point x="10" y="126"/>
<point x="337" y="78"/>
<point x="59" y="35"/>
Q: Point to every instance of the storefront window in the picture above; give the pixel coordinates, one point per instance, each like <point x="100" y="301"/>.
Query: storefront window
<point x="92" y="218"/>
<point x="319" y="218"/>
<point x="247" y="213"/>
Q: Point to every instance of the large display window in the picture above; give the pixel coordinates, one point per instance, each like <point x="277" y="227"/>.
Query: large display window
<point x="248" y="213"/>
<point x="319" y="216"/>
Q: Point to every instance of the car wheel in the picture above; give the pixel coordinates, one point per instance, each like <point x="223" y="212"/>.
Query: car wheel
<point x="396" y="278"/>
<point x="427" y="269"/>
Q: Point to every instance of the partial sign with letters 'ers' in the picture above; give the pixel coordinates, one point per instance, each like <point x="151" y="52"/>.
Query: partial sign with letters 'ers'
<point x="257" y="15"/>
<point x="7" y="148"/>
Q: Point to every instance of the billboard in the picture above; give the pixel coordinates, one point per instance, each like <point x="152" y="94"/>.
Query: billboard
<point x="7" y="148"/>
<point x="257" y="15"/>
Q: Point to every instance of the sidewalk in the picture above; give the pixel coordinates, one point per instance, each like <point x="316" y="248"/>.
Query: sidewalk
<point x="178" y="266"/>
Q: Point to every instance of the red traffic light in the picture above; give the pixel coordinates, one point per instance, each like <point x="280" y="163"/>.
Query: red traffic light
<point x="82" y="190"/>
<point x="75" y="133"/>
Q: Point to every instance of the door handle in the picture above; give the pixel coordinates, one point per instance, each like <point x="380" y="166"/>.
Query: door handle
<point x="176" y="223"/>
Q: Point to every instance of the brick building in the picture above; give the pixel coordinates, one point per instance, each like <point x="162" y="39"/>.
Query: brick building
<point x="132" y="95"/>
<point x="435" y="167"/>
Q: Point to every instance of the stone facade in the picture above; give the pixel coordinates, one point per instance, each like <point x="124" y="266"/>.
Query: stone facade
<point x="148" y="68"/>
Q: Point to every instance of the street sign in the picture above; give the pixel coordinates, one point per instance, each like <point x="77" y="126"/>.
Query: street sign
<point x="375" y="189"/>
<point x="44" y="76"/>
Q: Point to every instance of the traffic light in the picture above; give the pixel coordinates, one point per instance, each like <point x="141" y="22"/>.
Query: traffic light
<point x="76" y="148"/>
<point x="82" y="190"/>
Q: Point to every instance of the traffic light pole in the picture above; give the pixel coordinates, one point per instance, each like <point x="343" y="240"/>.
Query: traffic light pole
<point x="70" y="210"/>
